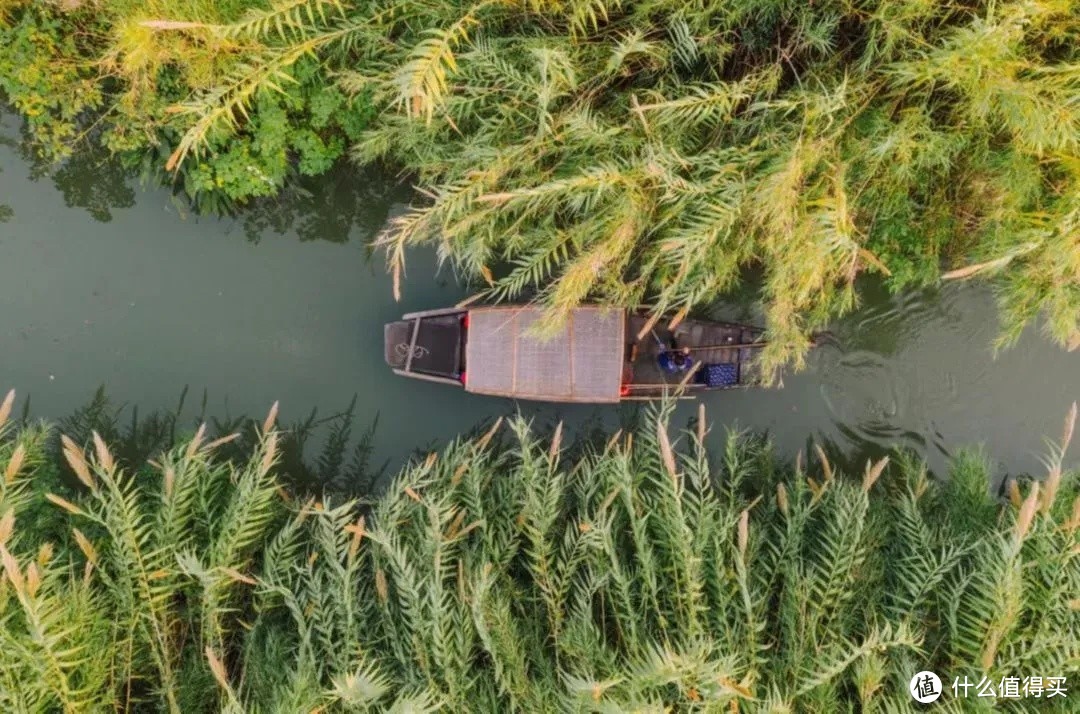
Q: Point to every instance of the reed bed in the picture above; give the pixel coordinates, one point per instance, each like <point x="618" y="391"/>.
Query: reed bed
<point x="663" y="570"/>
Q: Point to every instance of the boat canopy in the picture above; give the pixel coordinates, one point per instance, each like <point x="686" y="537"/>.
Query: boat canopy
<point x="582" y="362"/>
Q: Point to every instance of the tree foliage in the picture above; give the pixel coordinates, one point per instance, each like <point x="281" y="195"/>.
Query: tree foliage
<point x="651" y="152"/>
<point x="240" y="78"/>
<point x="508" y="573"/>
<point x="626" y="151"/>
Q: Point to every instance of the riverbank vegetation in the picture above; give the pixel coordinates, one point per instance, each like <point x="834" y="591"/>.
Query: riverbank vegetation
<point x="629" y="152"/>
<point x="510" y="572"/>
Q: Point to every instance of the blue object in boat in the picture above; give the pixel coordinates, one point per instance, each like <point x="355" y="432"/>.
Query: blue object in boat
<point x="673" y="361"/>
<point x="723" y="374"/>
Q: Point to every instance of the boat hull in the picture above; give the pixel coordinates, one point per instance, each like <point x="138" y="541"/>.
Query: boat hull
<point x="648" y="358"/>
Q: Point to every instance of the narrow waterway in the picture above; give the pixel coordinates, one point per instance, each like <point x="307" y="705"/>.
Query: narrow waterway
<point x="106" y="282"/>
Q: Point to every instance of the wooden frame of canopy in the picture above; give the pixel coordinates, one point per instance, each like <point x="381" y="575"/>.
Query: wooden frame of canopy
<point x="581" y="361"/>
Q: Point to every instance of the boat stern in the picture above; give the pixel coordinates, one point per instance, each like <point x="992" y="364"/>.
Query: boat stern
<point x="397" y="336"/>
<point x="427" y="345"/>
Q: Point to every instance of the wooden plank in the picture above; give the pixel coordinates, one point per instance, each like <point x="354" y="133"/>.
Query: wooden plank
<point x="647" y="310"/>
<point x="570" y="343"/>
<point x="514" y="353"/>
<point x="471" y="299"/>
<point x="650" y="323"/>
<point x="690" y="375"/>
<point x="733" y="345"/>
<point x="543" y="397"/>
<point x="432" y="313"/>
<point x="412" y="344"/>
<point x="427" y="377"/>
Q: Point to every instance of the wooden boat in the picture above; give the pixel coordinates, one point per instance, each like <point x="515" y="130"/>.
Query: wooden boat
<point x="599" y="355"/>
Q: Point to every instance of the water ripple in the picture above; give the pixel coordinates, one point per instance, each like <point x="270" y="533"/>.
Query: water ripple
<point x="891" y="369"/>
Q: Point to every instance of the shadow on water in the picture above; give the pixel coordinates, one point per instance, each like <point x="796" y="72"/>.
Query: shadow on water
<point x="888" y="323"/>
<point x="91" y="178"/>
<point x="316" y="454"/>
<point x="329" y="207"/>
<point x="333" y="207"/>
<point x="6" y="211"/>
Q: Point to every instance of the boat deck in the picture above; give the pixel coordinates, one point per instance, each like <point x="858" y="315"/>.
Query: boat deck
<point x="707" y="342"/>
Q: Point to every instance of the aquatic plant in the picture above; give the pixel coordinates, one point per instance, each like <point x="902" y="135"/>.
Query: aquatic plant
<point x="315" y="453"/>
<point x="509" y="572"/>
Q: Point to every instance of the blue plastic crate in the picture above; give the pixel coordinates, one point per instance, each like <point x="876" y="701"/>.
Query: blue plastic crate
<point x="724" y="374"/>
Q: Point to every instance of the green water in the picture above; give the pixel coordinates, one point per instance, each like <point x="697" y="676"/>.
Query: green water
<point x="106" y="282"/>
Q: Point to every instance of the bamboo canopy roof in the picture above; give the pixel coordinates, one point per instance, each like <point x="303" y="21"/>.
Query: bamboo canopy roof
<point x="582" y="362"/>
